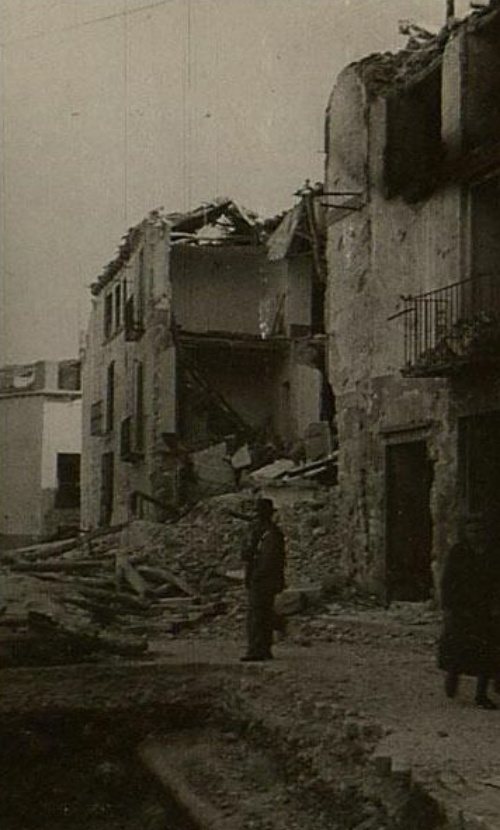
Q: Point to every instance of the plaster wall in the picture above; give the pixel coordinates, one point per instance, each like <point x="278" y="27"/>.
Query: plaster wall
<point x="453" y="94"/>
<point x="386" y="249"/>
<point x="145" y="278"/>
<point x="62" y="433"/>
<point x="218" y="289"/>
<point x="346" y="136"/>
<point x="299" y="291"/>
<point x="237" y="289"/>
<point x="20" y="470"/>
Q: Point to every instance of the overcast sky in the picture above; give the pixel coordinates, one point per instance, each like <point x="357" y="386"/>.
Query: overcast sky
<point x="113" y="107"/>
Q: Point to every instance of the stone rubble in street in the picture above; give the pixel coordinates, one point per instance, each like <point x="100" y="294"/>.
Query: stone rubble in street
<point x="181" y="578"/>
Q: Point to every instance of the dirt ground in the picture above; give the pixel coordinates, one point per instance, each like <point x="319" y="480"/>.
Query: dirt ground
<point x="347" y="727"/>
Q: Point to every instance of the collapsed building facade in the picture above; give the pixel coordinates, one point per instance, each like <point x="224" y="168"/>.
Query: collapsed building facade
<point x="413" y="321"/>
<point x="40" y="448"/>
<point x="205" y="353"/>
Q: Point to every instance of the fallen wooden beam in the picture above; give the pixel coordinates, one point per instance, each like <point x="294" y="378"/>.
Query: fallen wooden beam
<point x="43" y="549"/>
<point x="58" y="565"/>
<point x="164" y="764"/>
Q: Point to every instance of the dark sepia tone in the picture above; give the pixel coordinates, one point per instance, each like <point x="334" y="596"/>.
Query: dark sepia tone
<point x="250" y="414"/>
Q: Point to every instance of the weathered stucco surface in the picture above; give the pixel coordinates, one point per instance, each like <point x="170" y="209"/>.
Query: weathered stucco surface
<point x="378" y="253"/>
<point x="21" y="458"/>
<point x="40" y="412"/>
<point x="211" y="308"/>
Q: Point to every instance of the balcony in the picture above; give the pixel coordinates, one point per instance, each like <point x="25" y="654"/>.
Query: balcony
<point x="453" y="329"/>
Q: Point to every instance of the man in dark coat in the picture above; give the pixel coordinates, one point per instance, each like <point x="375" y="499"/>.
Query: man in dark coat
<point x="264" y="578"/>
<point x="467" y="644"/>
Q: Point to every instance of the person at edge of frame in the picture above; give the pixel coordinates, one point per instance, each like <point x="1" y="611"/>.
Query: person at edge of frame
<point x="469" y="598"/>
<point x="264" y="558"/>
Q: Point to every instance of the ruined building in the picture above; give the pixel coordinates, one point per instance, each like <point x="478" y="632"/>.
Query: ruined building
<point x="204" y="354"/>
<point x="40" y="447"/>
<point x="413" y="321"/>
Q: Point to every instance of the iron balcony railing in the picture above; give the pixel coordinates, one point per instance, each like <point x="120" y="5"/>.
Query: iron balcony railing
<point x="452" y="326"/>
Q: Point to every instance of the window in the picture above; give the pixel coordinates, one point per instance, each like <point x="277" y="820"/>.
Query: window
<point x="139" y="408"/>
<point x="479" y="457"/>
<point x="96" y="418"/>
<point x="126" y="439"/>
<point x="68" y="481"/>
<point x="69" y="375"/>
<point x="118" y="307"/>
<point x="413" y="151"/>
<point x="480" y="108"/>
<point x="110" y="397"/>
<point x="133" y="327"/>
<point x="108" y="315"/>
<point x="107" y="488"/>
<point x="140" y="287"/>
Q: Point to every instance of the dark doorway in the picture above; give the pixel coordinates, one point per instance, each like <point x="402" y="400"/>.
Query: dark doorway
<point x="408" y="522"/>
<point x="107" y="488"/>
<point x="479" y="453"/>
<point x="68" y="480"/>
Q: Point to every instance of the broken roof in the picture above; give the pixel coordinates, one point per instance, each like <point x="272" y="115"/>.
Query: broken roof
<point x="220" y="222"/>
<point x="302" y="228"/>
<point x="382" y="72"/>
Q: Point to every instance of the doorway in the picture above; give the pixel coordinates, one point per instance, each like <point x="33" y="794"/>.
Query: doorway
<point x="408" y="521"/>
<point x="479" y="462"/>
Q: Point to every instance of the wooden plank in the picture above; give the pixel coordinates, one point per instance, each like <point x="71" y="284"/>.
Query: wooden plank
<point x="164" y="764"/>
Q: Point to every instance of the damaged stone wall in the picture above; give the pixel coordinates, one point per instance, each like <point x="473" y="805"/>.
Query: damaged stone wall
<point x="305" y="384"/>
<point x="143" y="341"/>
<point x="244" y="377"/>
<point x="384" y="249"/>
<point x="399" y="409"/>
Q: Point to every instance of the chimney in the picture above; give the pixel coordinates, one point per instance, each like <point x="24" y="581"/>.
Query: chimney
<point x="450" y="10"/>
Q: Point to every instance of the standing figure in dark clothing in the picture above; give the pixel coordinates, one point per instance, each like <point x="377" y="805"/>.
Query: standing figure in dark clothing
<point x="264" y="578"/>
<point x="467" y="645"/>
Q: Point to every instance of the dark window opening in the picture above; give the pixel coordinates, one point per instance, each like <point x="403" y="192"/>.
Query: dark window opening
<point x="110" y="398"/>
<point x="124" y="301"/>
<point x="479" y="458"/>
<point x="481" y="108"/>
<point x="414" y="151"/>
<point x="318" y="307"/>
<point x="108" y="315"/>
<point x="139" y="408"/>
<point x="107" y="488"/>
<point x="408" y="522"/>
<point x="96" y="418"/>
<point x="133" y="326"/>
<point x="118" y="306"/>
<point x="68" y="481"/>
<point x="140" y="288"/>
<point x="69" y="376"/>
<point x="126" y="439"/>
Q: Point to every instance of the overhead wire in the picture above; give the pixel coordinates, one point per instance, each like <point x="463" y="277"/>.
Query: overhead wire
<point x="74" y="26"/>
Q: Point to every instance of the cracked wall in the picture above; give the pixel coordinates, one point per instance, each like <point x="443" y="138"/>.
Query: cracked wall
<point x="385" y="249"/>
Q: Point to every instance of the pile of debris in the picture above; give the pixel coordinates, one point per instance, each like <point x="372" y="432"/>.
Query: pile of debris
<point x="78" y="599"/>
<point x="112" y="593"/>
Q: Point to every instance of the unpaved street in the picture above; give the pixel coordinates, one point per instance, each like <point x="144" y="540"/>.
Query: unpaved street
<point x="347" y="727"/>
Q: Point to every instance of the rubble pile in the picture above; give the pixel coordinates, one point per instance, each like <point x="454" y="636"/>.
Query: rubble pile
<point x="74" y="600"/>
<point x="313" y="544"/>
<point x="114" y="592"/>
